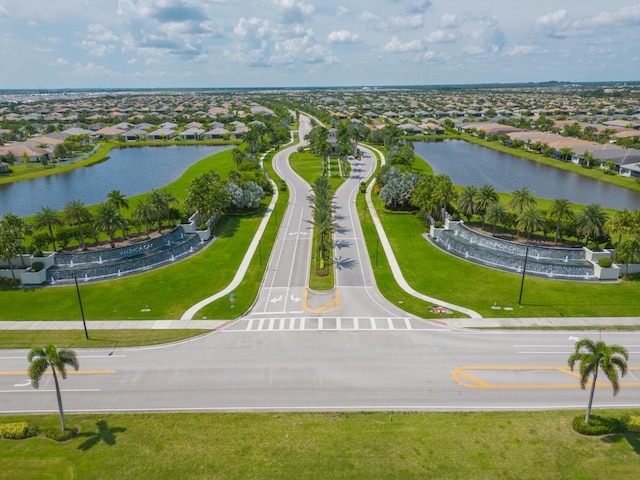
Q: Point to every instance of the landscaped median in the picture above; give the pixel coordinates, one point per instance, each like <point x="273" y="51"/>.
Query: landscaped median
<point x="380" y="445"/>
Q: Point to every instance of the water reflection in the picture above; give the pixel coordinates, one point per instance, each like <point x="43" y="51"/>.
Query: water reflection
<point x="470" y="164"/>
<point x="131" y="170"/>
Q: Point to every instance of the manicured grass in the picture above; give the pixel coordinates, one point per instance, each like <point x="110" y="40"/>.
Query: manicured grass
<point x="437" y="274"/>
<point x="97" y="338"/>
<point x="247" y="291"/>
<point x="378" y="445"/>
<point x="169" y="291"/>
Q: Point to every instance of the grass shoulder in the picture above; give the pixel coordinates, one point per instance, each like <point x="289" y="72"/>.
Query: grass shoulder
<point x="381" y="445"/>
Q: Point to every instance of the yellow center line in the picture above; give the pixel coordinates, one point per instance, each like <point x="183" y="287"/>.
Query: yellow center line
<point x="79" y="372"/>
<point x="462" y="372"/>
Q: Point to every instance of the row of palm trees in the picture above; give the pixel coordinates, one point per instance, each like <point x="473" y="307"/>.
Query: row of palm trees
<point x="106" y="218"/>
<point x="322" y="214"/>
<point x="591" y="222"/>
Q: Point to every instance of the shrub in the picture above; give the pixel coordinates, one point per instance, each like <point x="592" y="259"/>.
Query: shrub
<point x="15" y="430"/>
<point x="38" y="253"/>
<point x="438" y="224"/>
<point x="633" y="424"/>
<point x="37" y="266"/>
<point x="605" y="262"/>
<point x="60" y="435"/>
<point x="363" y="187"/>
<point x="598" y="425"/>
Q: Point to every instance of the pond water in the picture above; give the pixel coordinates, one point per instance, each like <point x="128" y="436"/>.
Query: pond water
<point x="133" y="171"/>
<point x="469" y="164"/>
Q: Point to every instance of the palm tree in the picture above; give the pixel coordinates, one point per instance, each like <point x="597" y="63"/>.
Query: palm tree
<point x="43" y="358"/>
<point x="443" y="193"/>
<point x="485" y="197"/>
<point x="521" y="199"/>
<point x="466" y="201"/>
<point x="9" y="246"/>
<point x="162" y="200"/>
<point x="593" y="356"/>
<point x="530" y="220"/>
<point x="75" y="213"/>
<point x="628" y="252"/>
<point x="109" y="219"/>
<point x="118" y="200"/>
<point x="619" y="224"/>
<point x="144" y="212"/>
<point x="590" y="222"/>
<point x="47" y="218"/>
<point x="561" y="211"/>
<point x="17" y="228"/>
<point x="496" y="213"/>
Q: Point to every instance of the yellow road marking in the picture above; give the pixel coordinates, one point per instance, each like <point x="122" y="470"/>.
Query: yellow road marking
<point x="460" y="372"/>
<point x="79" y="372"/>
<point x="328" y="307"/>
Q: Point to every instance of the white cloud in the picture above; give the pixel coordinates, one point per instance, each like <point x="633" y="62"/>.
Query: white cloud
<point x="395" y="45"/>
<point x="553" y="24"/>
<point x="410" y="22"/>
<point x="518" y="50"/>
<point x="99" y="33"/>
<point x="93" y="70"/>
<point x="449" y="20"/>
<point x="96" y="49"/>
<point x="441" y="36"/>
<point x="343" y="36"/>
<point x="293" y="11"/>
<point x="341" y="12"/>
<point x="624" y="16"/>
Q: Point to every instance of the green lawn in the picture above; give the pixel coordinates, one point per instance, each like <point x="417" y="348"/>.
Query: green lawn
<point x="381" y="445"/>
<point x="169" y="291"/>
<point x="97" y="338"/>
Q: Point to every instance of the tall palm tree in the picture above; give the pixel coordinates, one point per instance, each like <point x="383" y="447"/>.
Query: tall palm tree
<point x="619" y="224"/>
<point x="594" y="356"/>
<point x="628" y="252"/>
<point x="162" y="200"/>
<point x="144" y="211"/>
<point x="47" y="218"/>
<point x="466" y="201"/>
<point x="496" y="213"/>
<point x="9" y="246"/>
<point x="17" y="227"/>
<point x="76" y="213"/>
<point x="561" y="211"/>
<point x="485" y="197"/>
<point x="590" y="222"/>
<point x="109" y="219"/>
<point x="119" y="200"/>
<point x="530" y="220"/>
<point x="521" y="199"/>
<point x="43" y="358"/>
<point x="443" y="193"/>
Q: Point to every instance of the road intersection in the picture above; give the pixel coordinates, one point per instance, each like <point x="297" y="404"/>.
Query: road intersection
<point x="348" y="349"/>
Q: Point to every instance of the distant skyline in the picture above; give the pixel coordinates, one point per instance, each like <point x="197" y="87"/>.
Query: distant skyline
<point x="291" y="43"/>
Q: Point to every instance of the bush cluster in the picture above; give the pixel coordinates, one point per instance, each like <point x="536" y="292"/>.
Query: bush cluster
<point x="598" y="425"/>
<point x="633" y="424"/>
<point x="14" y="430"/>
<point x="60" y="435"/>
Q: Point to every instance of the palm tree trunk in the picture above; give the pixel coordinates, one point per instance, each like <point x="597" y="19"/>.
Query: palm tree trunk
<point x="53" y="239"/>
<point x="593" y="389"/>
<point x="13" y="275"/>
<point x="55" y="380"/>
<point x="555" y="242"/>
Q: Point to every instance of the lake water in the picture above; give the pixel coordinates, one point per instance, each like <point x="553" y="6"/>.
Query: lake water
<point x="469" y="164"/>
<point x="133" y="171"/>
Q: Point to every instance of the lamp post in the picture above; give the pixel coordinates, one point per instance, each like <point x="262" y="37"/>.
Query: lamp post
<point x="84" y="323"/>
<point x="524" y="271"/>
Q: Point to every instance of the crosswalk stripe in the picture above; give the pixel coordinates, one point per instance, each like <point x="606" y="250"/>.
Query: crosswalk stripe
<point x="279" y="324"/>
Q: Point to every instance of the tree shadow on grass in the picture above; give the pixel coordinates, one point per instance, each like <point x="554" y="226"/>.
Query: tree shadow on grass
<point x="632" y="439"/>
<point x="104" y="434"/>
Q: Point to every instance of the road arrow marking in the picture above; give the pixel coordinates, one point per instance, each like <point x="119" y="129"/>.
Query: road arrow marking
<point x="276" y="300"/>
<point x="26" y="383"/>
<point x="295" y="299"/>
<point x="573" y="339"/>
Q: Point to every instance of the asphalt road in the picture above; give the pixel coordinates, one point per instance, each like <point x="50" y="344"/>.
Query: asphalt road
<point x="348" y="349"/>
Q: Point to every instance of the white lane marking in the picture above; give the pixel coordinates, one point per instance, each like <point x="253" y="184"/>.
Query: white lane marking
<point x="53" y="390"/>
<point x="407" y="323"/>
<point x="26" y="383"/>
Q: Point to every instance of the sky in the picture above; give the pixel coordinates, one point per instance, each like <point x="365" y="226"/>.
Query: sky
<point x="307" y="43"/>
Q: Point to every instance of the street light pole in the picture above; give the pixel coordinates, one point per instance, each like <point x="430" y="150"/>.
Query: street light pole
<point x="84" y="323"/>
<point x="524" y="271"/>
